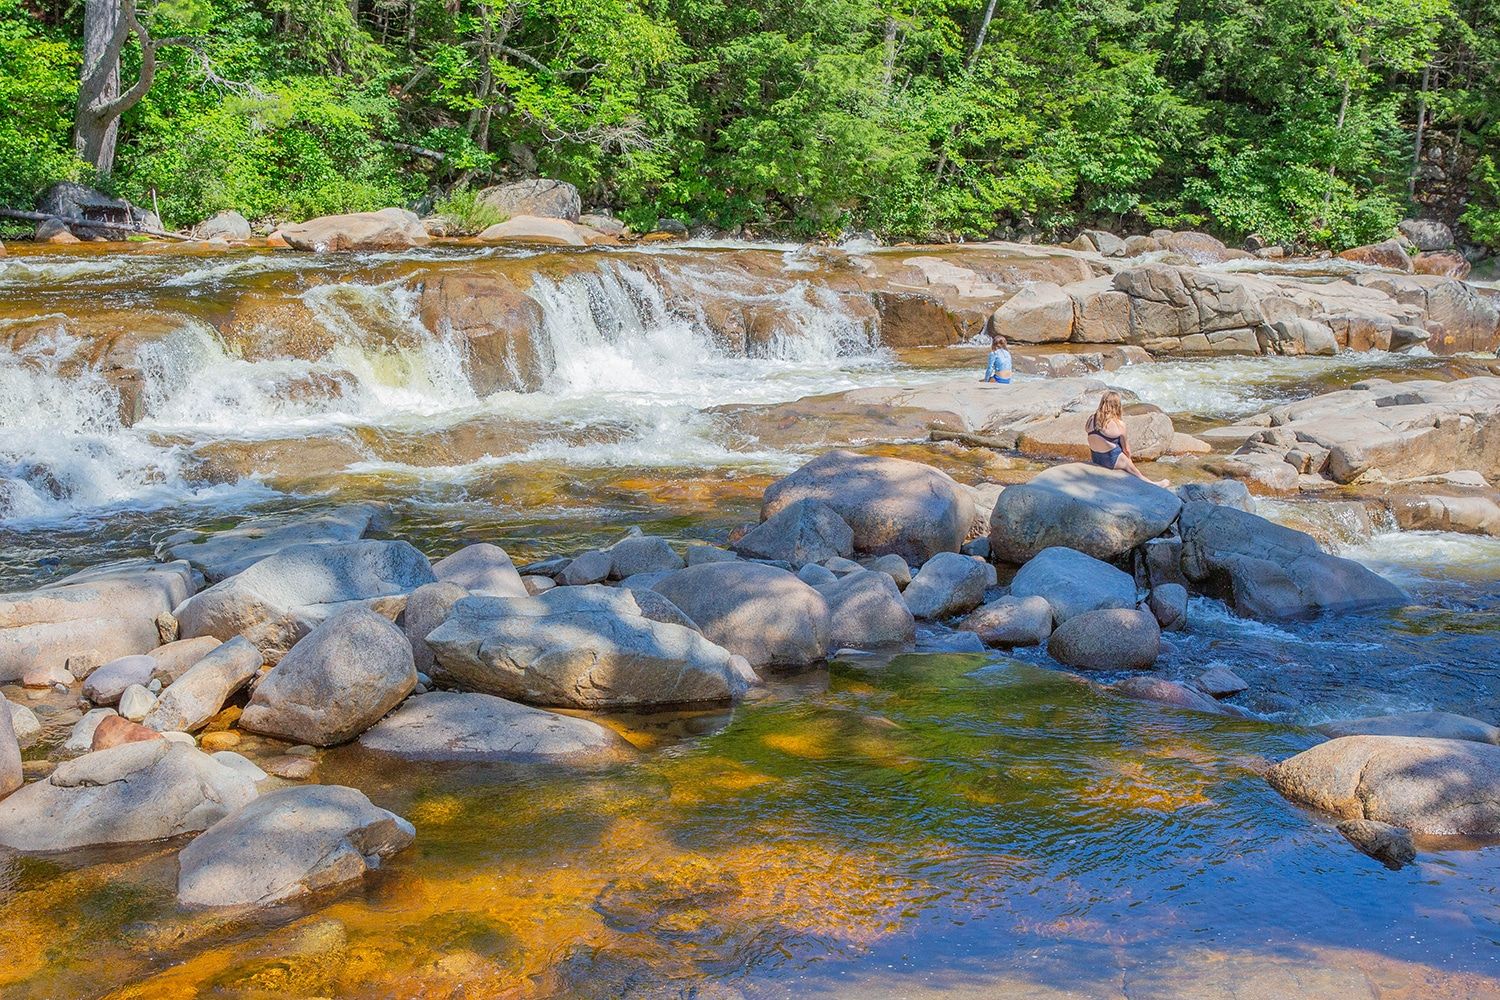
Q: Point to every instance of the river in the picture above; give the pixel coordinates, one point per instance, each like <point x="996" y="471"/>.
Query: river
<point x="933" y="823"/>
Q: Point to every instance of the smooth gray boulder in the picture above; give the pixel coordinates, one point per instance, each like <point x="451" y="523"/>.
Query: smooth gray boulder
<point x="1224" y="492"/>
<point x="1430" y="786"/>
<point x="1221" y="682"/>
<point x="105" y="685"/>
<point x="948" y="584"/>
<point x="198" y="695"/>
<point x="865" y="611"/>
<point x="1264" y="570"/>
<point x="807" y="531"/>
<point x="892" y="505"/>
<point x="481" y="568"/>
<point x="281" y="598"/>
<point x="221" y="554"/>
<point x="1168" y="602"/>
<point x="426" y="609"/>
<point x="589" y="567"/>
<point x="449" y="726"/>
<point x="580" y="647"/>
<point x="107" y="611"/>
<point x="335" y="683"/>
<point x="11" y="775"/>
<point x="1011" y="621"/>
<point x="1073" y="583"/>
<point x="130" y="793"/>
<point x="764" y="614"/>
<point x="1111" y="639"/>
<point x="816" y="576"/>
<point x="635" y="554"/>
<point x="288" y="844"/>
<point x="24" y="723"/>
<point x="1099" y="512"/>
<point x="175" y="658"/>
<point x="1165" y="692"/>
<point x="893" y="566"/>
<point x="1436" y="725"/>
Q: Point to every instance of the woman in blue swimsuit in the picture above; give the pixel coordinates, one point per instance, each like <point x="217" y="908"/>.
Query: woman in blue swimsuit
<point x="999" y="367"/>
<point x="1109" y="444"/>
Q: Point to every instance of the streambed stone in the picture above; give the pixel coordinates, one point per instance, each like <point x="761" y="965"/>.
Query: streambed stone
<point x="948" y="584"/>
<point x="807" y="531"/>
<point x="139" y="791"/>
<point x="221" y="554"/>
<point x="1100" y="512"/>
<point x="763" y="613"/>
<point x="1073" y="583"/>
<point x="288" y="844"/>
<point x="866" y="611"/>
<point x="453" y="726"/>
<point x="481" y="568"/>
<point x="582" y="647"/>
<point x="1110" y="639"/>
<point x="1011" y="621"/>
<point x="1429" y="786"/>
<point x="335" y="683"/>
<point x="281" y="598"/>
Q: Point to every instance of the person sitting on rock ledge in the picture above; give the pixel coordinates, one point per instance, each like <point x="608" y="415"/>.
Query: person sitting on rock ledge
<point x="999" y="367"/>
<point x="1109" y="442"/>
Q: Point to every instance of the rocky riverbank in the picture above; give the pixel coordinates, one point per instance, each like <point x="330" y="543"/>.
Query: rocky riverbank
<point x="308" y="633"/>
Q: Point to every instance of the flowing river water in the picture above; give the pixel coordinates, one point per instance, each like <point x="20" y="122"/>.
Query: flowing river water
<point x="934" y="823"/>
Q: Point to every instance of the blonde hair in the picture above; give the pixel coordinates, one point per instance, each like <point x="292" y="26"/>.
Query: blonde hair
<point x="1109" y="409"/>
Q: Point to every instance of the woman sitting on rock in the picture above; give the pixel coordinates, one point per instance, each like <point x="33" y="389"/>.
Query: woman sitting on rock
<point x="1109" y="443"/>
<point x="999" y="368"/>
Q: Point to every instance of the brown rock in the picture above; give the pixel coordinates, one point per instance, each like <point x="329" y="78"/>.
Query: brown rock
<point x="115" y="730"/>
<point x="226" y="739"/>
<point x="495" y="319"/>
<point x="1446" y="263"/>
<point x="1389" y="254"/>
<point x="387" y="229"/>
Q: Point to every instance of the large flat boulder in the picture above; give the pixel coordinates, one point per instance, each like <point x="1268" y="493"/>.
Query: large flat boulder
<point x="1073" y="583"/>
<point x="1431" y="786"/>
<point x="110" y="610"/>
<point x="222" y="554"/>
<point x="580" y="647"/>
<point x="1264" y="570"/>
<point x="387" y="229"/>
<point x="763" y="613"/>
<point x="1100" y="512"/>
<point x="539" y="231"/>
<point x="335" y="683"/>
<point x="892" y="505"/>
<point x="281" y="598"/>
<point x="1436" y="725"/>
<point x="135" y="792"/>
<point x="453" y="726"/>
<point x="197" y="696"/>
<point x="287" y="845"/>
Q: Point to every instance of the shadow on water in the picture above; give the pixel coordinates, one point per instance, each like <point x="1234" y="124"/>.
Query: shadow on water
<point x="939" y="823"/>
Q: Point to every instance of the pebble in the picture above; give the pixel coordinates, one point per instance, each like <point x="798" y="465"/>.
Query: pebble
<point x="290" y="767"/>
<point x="222" y="740"/>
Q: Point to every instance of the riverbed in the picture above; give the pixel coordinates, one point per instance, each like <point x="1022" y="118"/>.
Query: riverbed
<point x="930" y="823"/>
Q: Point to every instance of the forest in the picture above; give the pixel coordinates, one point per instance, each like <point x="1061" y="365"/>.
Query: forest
<point x="1313" y="123"/>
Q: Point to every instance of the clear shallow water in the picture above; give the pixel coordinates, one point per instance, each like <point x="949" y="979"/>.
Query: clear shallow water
<point x="940" y="824"/>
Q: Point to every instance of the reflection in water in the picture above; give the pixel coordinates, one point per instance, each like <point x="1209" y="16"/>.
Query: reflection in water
<point x="939" y="816"/>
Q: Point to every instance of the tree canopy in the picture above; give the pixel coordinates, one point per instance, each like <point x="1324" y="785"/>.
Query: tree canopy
<point x="1312" y="122"/>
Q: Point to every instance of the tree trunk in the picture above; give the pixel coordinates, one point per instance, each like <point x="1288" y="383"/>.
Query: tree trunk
<point x="1416" y="156"/>
<point x="1333" y="168"/>
<point x="104" y="34"/>
<point x="890" y="55"/>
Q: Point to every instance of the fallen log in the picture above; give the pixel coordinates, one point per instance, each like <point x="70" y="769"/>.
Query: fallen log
<point x="120" y="227"/>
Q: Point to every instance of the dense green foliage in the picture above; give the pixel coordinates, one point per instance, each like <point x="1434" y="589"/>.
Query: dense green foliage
<point x="1292" y="118"/>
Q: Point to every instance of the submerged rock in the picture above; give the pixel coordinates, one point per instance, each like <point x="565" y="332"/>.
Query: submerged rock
<point x="1165" y="692"/>
<point x="279" y="599"/>
<point x="1073" y="583"/>
<point x="136" y="792"/>
<point x="1437" y="725"/>
<point x="288" y="844"/>
<point x="892" y="505"/>
<point x="1429" y="786"/>
<point x="1110" y="639"/>
<point x="763" y="613"/>
<point x="1264" y="570"/>
<point x="1168" y="602"/>
<point x="450" y="726"/>
<point x="335" y="683"/>
<point x="1100" y="512"/>
<point x="583" y="647"/>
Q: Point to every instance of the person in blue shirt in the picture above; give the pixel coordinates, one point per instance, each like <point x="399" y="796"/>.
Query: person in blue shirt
<point x="999" y="367"/>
